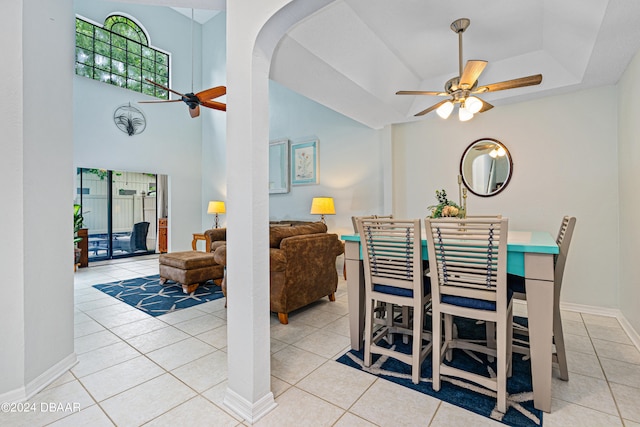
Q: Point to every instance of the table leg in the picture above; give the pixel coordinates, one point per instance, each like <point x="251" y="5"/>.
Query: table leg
<point x="355" y="293"/>
<point x="539" y="289"/>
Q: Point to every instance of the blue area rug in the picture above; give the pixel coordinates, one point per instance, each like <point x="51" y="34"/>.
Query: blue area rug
<point x="520" y="411"/>
<point x="148" y="295"/>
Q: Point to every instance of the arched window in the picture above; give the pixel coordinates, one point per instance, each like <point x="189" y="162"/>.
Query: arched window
<point x="119" y="53"/>
<point x="126" y="28"/>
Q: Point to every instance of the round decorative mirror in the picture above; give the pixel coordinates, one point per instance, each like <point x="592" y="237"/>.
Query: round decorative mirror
<point x="486" y="167"/>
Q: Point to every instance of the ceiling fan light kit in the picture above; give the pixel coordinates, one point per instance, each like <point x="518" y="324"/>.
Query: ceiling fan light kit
<point x="462" y="87"/>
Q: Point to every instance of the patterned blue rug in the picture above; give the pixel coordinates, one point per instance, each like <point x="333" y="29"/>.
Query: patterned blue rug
<point x="148" y="295"/>
<point x="520" y="411"/>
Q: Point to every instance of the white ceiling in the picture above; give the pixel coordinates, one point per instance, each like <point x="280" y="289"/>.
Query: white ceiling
<point x="353" y="55"/>
<point x="201" y="16"/>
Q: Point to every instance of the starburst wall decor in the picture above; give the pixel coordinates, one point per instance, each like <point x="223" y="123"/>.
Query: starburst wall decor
<point x="129" y="119"/>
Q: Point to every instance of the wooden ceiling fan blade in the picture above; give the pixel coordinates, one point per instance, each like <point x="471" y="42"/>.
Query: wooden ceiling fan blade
<point x="472" y="71"/>
<point x="215" y="105"/>
<point x="485" y="107"/>
<point x="159" y="102"/>
<point x="211" y="93"/>
<point x="421" y="92"/>
<point x="194" y="112"/>
<point x="164" y="87"/>
<point x="484" y="147"/>
<point x="430" y="109"/>
<point x="536" y="79"/>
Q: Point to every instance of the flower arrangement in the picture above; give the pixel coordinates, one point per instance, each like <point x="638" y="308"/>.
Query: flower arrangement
<point x="445" y="207"/>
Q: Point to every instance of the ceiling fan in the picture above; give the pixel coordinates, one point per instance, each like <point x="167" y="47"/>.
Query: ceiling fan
<point x="194" y="100"/>
<point x="463" y="87"/>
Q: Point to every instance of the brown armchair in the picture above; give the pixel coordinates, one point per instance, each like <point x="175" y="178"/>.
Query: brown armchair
<point x="302" y="264"/>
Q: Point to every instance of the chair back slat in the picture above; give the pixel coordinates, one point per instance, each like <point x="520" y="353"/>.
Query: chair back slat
<point x="354" y="219"/>
<point x="392" y="252"/>
<point x="563" y="240"/>
<point x="468" y="257"/>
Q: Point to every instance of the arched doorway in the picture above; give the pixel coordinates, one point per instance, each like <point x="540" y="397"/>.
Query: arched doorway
<point x="248" y="63"/>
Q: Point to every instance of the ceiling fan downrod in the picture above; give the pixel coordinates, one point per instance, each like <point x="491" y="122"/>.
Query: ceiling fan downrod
<point x="459" y="26"/>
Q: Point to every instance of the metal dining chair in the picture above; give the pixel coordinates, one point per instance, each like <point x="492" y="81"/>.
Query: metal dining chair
<point x="468" y="270"/>
<point x="394" y="275"/>
<point x="516" y="284"/>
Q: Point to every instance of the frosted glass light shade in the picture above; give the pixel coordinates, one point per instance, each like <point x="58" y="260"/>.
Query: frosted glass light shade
<point x="473" y="104"/>
<point x="445" y="110"/>
<point x="464" y="114"/>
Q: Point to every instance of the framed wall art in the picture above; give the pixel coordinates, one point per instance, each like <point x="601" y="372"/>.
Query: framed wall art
<point x="304" y="163"/>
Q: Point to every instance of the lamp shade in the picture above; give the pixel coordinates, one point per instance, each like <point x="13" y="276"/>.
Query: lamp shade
<point x="216" y="207"/>
<point x="322" y="206"/>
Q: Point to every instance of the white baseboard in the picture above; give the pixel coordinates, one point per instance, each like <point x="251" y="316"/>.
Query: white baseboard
<point x="609" y="312"/>
<point x="251" y="412"/>
<point x="24" y="393"/>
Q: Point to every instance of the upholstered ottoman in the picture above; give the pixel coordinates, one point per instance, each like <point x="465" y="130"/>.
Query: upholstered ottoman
<point x="189" y="268"/>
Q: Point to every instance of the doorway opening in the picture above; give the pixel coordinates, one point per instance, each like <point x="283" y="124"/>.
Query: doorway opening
<point x="119" y="210"/>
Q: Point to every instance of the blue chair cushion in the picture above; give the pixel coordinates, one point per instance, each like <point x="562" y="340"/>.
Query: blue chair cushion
<point x="478" y="304"/>
<point x="515" y="283"/>
<point x="402" y="292"/>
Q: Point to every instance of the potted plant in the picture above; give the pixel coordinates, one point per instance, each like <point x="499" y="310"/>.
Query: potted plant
<point x="445" y="207"/>
<point x="78" y="222"/>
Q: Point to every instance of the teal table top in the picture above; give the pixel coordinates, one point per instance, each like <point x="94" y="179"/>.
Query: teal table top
<point x="519" y="243"/>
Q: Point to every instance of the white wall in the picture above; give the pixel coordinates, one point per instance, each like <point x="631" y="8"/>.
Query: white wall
<point x="12" y="220"/>
<point x="564" y="151"/>
<point x="47" y="153"/>
<point x="351" y="160"/>
<point x="629" y="178"/>
<point x="351" y="155"/>
<point x="171" y="143"/>
<point x="36" y="259"/>
<point x="214" y="123"/>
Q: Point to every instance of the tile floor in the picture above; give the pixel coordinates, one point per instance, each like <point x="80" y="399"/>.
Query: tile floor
<point x="171" y="370"/>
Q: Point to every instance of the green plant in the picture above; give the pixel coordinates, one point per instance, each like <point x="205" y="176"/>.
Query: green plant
<point x="78" y="222"/>
<point x="445" y="207"/>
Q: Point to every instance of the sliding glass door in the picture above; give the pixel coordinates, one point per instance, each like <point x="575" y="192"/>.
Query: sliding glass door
<point x="119" y="211"/>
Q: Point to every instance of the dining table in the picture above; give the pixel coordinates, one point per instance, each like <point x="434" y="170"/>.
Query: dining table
<point x="530" y="254"/>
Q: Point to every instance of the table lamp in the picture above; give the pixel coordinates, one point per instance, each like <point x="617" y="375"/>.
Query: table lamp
<point x="322" y="206"/>
<point x="216" y="207"/>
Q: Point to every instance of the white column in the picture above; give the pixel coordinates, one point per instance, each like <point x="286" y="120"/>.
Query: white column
<point x="248" y="346"/>
<point x="253" y="31"/>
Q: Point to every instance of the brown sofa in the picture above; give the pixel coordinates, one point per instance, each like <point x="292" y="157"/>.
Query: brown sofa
<point x="302" y="263"/>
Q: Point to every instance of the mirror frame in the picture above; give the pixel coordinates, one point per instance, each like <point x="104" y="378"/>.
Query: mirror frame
<point x="471" y="147"/>
<point x="279" y="149"/>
